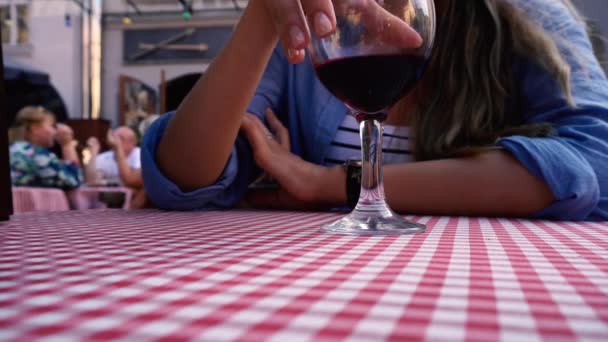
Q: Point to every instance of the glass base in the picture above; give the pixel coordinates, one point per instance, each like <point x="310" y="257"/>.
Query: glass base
<point x="373" y="220"/>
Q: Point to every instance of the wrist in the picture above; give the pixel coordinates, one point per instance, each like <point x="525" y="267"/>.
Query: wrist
<point x="117" y="153"/>
<point x="329" y="185"/>
<point x="68" y="144"/>
<point x="257" y="13"/>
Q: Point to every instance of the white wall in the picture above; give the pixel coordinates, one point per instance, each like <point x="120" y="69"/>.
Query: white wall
<point x="55" y="49"/>
<point x="112" y="68"/>
<point x="166" y="5"/>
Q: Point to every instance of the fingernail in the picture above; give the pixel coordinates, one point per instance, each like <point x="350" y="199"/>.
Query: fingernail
<point x="293" y="53"/>
<point x="322" y="24"/>
<point x="296" y="36"/>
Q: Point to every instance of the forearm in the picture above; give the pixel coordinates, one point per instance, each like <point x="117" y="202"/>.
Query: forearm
<point x="69" y="153"/>
<point x="90" y="171"/>
<point x="490" y="184"/>
<point x="209" y="118"/>
<point x="129" y="176"/>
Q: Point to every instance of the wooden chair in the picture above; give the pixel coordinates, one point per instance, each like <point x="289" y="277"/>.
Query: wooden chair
<point x="6" y="204"/>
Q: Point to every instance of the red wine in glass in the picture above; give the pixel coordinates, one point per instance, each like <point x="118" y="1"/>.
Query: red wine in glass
<point x="374" y="58"/>
<point x="371" y="84"/>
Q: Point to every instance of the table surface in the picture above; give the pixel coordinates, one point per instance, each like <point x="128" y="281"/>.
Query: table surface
<point x="247" y="275"/>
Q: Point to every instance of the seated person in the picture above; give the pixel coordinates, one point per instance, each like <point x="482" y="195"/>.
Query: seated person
<point x="32" y="164"/>
<point x="119" y="166"/>
<point x="510" y="118"/>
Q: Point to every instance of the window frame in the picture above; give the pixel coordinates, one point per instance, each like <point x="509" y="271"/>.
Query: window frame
<point x="14" y="33"/>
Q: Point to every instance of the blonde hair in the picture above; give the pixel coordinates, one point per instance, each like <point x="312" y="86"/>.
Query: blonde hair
<point x="27" y="117"/>
<point x="461" y="101"/>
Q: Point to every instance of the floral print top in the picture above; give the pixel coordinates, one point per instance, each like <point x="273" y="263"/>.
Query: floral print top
<point x="33" y="165"/>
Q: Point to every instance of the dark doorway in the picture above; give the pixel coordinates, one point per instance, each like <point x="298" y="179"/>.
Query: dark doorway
<point x="29" y="87"/>
<point x="178" y="88"/>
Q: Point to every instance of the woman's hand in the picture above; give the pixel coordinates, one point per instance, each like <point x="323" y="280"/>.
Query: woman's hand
<point x="65" y="135"/>
<point x="292" y="19"/>
<point x="93" y="145"/>
<point x="65" y="138"/>
<point x="113" y="141"/>
<point x="298" y="179"/>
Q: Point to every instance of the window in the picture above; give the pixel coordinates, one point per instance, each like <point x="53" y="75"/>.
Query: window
<point x="23" y="30"/>
<point x="14" y="16"/>
<point x="5" y="16"/>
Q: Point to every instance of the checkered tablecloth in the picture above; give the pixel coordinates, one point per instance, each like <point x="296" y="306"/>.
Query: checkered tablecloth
<point x="251" y="276"/>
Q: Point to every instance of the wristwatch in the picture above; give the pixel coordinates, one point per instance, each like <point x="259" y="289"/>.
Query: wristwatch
<point x="353" y="182"/>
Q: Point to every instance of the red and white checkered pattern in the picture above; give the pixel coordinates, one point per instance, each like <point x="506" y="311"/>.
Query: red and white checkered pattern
<point x="250" y="276"/>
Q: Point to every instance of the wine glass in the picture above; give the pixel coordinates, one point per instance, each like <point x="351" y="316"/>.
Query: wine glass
<point x="374" y="57"/>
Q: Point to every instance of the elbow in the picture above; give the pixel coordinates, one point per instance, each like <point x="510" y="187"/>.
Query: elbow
<point x="577" y="202"/>
<point x="166" y="197"/>
<point x="132" y="181"/>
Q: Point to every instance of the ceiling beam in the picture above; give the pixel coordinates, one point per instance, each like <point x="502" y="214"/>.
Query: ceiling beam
<point x="134" y="6"/>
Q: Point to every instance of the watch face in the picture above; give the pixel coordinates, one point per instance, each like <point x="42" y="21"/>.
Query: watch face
<point x="353" y="162"/>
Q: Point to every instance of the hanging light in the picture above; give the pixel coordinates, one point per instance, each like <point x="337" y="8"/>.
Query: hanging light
<point x="126" y="20"/>
<point x="187" y="13"/>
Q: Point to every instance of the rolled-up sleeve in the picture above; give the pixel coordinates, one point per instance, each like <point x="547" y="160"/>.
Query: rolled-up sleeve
<point x="239" y="171"/>
<point x="574" y="161"/>
<point x="565" y="169"/>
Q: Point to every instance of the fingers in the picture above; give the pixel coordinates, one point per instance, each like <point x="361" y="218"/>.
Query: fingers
<point x="290" y="23"/>
<point x="64" y="129"/>
<point x="93" y="144"/>
<point x="110" y="137"/>
<point x="281" y="133"/>
<point x="393" y="30"/>
<point x="321" y="16"/>
<point x="380" y="23"/>
<point x="255" y="124"/>
<point x="386" y="26"/>
<point x="292" y="26"/>
<point x="257" y="137"/>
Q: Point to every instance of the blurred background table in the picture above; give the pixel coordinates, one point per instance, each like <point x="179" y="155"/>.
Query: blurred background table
<point x="91" y="197"/>
<point x="26" y="199"/>
<point x="30" y="199"/>
<point x="255" y="275"/>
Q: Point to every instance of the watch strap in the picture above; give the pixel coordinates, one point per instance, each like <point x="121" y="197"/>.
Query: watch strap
<point x="353" y="182"/>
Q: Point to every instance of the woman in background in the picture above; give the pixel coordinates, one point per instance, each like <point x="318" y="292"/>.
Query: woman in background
<point x="32" y="163"/>
<point x="509" y="119"/>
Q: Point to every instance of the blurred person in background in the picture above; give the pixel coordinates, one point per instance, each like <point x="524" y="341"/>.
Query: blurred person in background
<point x="119" y="166"/>
<point x="32" y="163"/>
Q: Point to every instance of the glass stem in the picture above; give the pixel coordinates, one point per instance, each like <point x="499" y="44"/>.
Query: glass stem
<point x="371" y="197"/>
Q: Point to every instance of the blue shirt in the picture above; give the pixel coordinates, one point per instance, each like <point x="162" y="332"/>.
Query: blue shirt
<point x="573" y="162"/>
